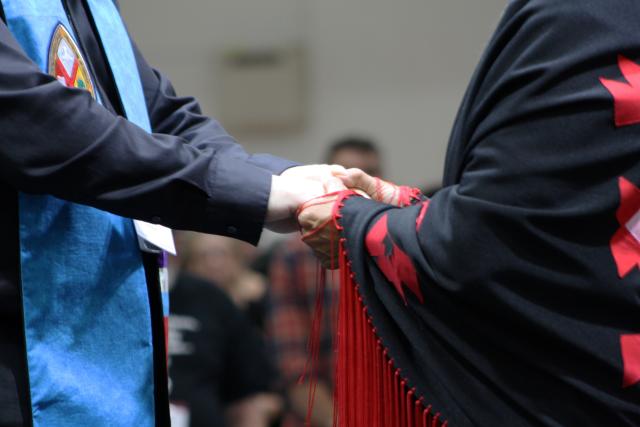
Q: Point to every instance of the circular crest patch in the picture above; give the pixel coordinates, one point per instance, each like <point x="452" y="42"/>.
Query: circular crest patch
<point x="66" y="63"/>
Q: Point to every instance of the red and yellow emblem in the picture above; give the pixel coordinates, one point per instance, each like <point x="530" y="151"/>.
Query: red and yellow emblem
<point x="66" y="63"/>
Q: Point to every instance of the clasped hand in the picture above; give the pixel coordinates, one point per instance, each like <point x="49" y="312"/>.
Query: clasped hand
<point x="304" y="197"/>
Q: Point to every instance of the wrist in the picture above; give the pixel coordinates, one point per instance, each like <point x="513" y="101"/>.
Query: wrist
<point x="276" y="209"/>
<point x="288" y="193"/>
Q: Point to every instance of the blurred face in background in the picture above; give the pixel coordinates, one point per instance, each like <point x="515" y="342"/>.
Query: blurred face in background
<point x="368" y="161"/>
<point x="215" y="258"/>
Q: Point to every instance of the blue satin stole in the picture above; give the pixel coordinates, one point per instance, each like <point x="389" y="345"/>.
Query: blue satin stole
<point x="84" y="293"/>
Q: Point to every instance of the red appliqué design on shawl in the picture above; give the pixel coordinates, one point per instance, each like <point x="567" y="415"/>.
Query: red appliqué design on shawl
<point x="626" y="95"/>
<point x="394" y="263"/>
<point x="630" y="349"/>
<point x="625" y="247"/>
<point x="422" y="214"/>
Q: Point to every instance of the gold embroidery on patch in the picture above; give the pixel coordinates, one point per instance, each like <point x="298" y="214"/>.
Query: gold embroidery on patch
<point x="66" y="63"/>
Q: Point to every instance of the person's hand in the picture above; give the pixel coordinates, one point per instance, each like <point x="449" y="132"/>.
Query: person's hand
<point x="322" y="173"/>
<point x="319" y="225"/>
<point x="294" y="187"/>
<point x="320" y="229"/>
<point x="378" y="189"/>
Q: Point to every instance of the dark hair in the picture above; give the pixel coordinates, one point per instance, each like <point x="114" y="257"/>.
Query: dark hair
<point x="356" y="143"/>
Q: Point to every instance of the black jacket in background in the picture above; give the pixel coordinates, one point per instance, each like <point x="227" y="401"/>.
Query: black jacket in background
<point x="217" y="355"/>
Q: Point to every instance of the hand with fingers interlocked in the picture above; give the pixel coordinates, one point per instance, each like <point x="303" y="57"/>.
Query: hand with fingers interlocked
<point x="318" y="217"/>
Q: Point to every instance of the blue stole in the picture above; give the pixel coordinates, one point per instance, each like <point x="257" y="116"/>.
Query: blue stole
<point x="84" y="293"/>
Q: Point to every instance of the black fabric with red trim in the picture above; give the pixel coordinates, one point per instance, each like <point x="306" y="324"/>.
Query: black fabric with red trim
<point x="528" y="317"/>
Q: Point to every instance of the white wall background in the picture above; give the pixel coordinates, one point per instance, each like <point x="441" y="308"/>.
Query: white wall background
<point x="395" y="70"/>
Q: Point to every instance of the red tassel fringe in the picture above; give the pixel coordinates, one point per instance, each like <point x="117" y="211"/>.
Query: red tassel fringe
<point x="370" y="390"/>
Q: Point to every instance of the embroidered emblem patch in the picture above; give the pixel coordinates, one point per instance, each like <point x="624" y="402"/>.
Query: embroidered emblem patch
<point x="66" y="63"/>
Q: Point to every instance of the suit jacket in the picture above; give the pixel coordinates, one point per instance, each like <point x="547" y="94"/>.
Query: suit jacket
<point x="56" y="141"/>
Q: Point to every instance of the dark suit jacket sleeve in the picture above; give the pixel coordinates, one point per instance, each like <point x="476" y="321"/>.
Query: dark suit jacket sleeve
<point x="189" y="175"/>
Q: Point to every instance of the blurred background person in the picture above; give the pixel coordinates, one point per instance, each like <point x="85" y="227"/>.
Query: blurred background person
<point x="293" y="277"/>
<point x="356" y="152"/>
<point x="220" y="370"/>
<point x="225" y="262"/>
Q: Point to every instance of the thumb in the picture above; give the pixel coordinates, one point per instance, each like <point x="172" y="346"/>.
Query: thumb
<point x="333" y="184"/>
<point x="356" y="178"/>
<point x="337" y="170"/>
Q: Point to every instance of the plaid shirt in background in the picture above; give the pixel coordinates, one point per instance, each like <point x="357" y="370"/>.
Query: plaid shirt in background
<point x="294" y="281"/>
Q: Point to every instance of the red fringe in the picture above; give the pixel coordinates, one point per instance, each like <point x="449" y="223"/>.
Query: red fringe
<point x="370" y="390"/>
